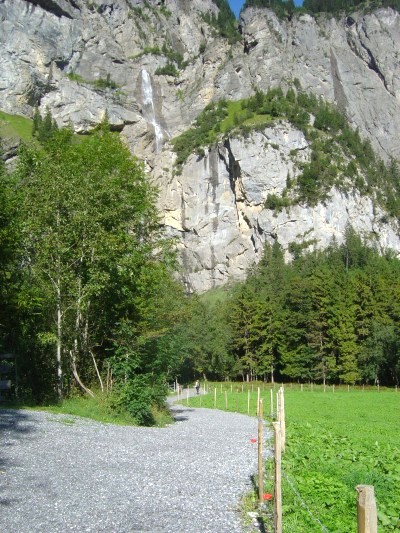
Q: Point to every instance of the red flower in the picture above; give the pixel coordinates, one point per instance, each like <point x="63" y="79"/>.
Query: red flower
<point x="253" y="440"/>
<point x="267" y="496"/>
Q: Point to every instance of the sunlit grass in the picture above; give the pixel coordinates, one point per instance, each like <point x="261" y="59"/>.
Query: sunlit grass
<point x="258" y="120"/>
<point x="98" y="408"/>
<point x="214" y="295"/>
<point x="15" y="126"/>
<point x="337" y="438"/>
<point x="233" y="108"/>
<point x="238" y="116"/>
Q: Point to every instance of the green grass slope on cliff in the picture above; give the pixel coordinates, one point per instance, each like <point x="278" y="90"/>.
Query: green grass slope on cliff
<point x="15" y="126"/>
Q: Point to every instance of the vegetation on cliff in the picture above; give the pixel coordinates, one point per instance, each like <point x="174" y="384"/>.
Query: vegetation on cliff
<point x="339" y="157"/>
<point x="286" y="8"/>
<point x="224" y="23"/>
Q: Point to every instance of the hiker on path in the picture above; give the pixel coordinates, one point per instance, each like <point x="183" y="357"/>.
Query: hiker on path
<point x="197" y="386"/>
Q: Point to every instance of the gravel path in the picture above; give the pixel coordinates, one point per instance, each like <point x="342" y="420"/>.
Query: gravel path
<point x="59" y="473"/>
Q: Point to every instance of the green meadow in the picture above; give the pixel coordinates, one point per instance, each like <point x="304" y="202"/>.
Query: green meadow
<point x="335" y="440"/>
<point x="15" y="126"/>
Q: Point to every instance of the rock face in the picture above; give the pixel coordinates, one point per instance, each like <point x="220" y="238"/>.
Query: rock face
<point x="217" y="207"/>
<point x="84" y="59"/>
<point x="351" y="62"/>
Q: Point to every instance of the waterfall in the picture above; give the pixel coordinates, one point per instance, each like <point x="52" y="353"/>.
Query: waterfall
<point x="148" y="108"/>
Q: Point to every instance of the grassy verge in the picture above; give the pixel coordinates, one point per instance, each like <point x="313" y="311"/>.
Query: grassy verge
<point x="335" y="441"/>
<point x="94" y="408"/>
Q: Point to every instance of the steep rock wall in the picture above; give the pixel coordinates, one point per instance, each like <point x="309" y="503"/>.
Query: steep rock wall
<point x="351" y="61"/>
<point x="216" y="206"/>
<point x="83" y="59"/>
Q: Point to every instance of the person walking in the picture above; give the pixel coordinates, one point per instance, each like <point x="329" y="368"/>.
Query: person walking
<point x="197" y="386"/>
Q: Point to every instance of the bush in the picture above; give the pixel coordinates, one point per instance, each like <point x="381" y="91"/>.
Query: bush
<point x="137" y="396"/>
<point x="105" y="83"/>
<point x="168" y="70"/>
<point x="274" y="202"/>
<point x="329" y="119"/>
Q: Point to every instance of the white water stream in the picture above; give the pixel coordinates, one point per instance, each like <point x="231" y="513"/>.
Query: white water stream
<point x="148" y="108"/>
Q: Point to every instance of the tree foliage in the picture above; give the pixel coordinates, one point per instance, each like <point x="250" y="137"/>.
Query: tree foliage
<point x="224" y="23"/>
<point x="340" y="158"/>
<point x="328" y="316"/>
<point x="43" y="128"/>
<point x="93" y="289"/>
<point x="284" y="8"/>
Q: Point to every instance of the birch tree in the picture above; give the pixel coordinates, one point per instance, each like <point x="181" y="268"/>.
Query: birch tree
<point x="89" y="225"/>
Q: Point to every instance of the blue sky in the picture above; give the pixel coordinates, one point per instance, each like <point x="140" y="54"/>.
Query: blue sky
<point x="236" y="5"/>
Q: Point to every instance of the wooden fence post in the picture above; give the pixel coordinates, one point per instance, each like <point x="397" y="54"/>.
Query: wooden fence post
<point x="282" y="418"/>
<point x="260" y="459"/>
<point x="272" y="404"/>
<point x="278" y="410"/>
<point x="278" y="478"/>
<point x="248" y="402"/>
<point x="366" y="509"/>
<point x="215" y="397"/>
<point x="226" y="400"/>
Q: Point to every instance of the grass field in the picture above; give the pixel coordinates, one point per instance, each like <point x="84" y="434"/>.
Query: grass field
<point x="15" y="126"/>
<point x="237" y="115"/>
<point x="335" y="441"/>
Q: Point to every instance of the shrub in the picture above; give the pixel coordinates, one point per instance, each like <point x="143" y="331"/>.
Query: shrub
<point x="137" y="396"/>
<point x="168" y="70"/>
<point x="274" y="202"/>
<point x="106" y="83"/>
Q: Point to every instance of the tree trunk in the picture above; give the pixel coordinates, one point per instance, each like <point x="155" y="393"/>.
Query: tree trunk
<point x="59" y="345"/>
<point x="78" y="379"/>
<point x="97" y="371"/>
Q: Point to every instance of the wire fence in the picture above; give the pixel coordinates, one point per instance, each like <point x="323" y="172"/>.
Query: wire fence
<point x="229" y="397"/>
<point x="304" y="504"/>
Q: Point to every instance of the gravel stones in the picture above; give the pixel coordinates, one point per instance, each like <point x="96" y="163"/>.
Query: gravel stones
<point x="61" y="473"/>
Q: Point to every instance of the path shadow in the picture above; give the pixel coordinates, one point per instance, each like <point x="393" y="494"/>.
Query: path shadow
<point x="14" y="425"/>
<point x="15" y="421"/>
<point x="178" y="413"/>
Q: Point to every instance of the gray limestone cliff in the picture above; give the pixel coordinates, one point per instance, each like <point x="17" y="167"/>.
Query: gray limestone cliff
<point x="83" y="59"/>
